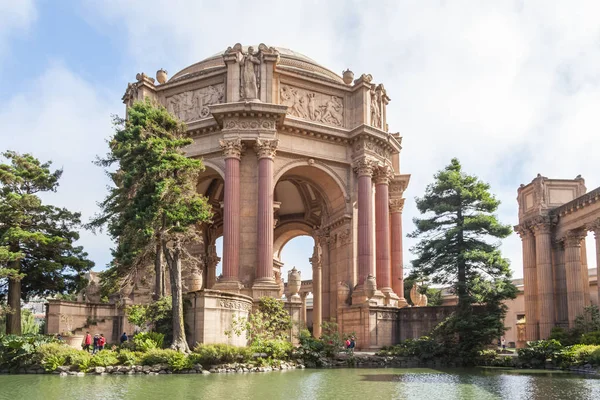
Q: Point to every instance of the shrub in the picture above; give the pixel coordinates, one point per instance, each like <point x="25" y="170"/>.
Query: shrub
<point x="213" y="354"/>
<point x="487" y="357"/>
<point x="80" y="359"/>
<point x="536" y="353"/>
<point x="104" y="358"/>
<point x="310" y="349"/>
<point x="332" y="341"/>
<point x="591" y="338"/>
<point x="128" y="357"/>
<point x="595" y="357"/>
<point x="278" y="349"/>
<point x="575" y="355"/>
<point x="19" y="351"/>
<point x="146" y="341"/>
<point x="177" y="360"/>
<point x="53" y="355"/>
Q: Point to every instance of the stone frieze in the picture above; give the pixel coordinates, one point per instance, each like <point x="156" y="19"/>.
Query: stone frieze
<point x="313" y="106"/>
<point x="193" y="104"/>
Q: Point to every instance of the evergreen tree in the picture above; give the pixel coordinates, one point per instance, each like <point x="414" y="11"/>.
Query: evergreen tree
<point x="455" y="251"/>
<point x="153" y="208"/>
<point x="37" y="251"/>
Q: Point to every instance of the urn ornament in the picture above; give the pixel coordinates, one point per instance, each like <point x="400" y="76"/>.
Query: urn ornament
<point x="161" y="76"/>
<point x="342" y="291"/>
<point x="370" y="286"/>
<point x="195" y="280"/>
<point x="348" y="76"/>
<point x="294" y="282"/>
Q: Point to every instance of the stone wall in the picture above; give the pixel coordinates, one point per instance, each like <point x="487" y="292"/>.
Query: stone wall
<point x="420" y="321"/>
<point x="78" y="317"/>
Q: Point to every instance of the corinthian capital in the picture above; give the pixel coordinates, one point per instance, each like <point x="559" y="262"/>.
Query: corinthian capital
<point x="232" y="147"/>
<point x="595" y="227"/>
<point x="542" y="225"/>
<point x="383" y="174"/>
<point x="523" y="230"/>
<point x="265" y="148"/>
<point x="574" y="237"/>
<point x="396" y="205"/>
<point x="365" y="167"/>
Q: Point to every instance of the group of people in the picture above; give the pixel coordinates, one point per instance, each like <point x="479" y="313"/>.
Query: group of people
<point x="350" y="344"/>
<point x="98" y="342"/>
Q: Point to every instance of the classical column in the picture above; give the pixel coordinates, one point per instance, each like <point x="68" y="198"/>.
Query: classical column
<point x="364" y="168"/>
<point x="303" y="309"/>
<point x="232" y="150"/>
<point x="596" y="229"/>
<point x="211" y="267"/>
<point x="382" y="230"/>
<point x="560" y="285"/>
<point x="575" y="295"/>
<point x="317" y="287"/>
<point x="265" y="151"/>
<point x="396" y="207"/>
<point x="584" y="272"/>
<point x="530" y="283"/>
<point x="545" y="284"/>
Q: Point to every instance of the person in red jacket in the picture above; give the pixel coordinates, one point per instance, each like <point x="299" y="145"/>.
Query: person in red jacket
<point x="87" y="342"/>
<point x="101" y="342"/>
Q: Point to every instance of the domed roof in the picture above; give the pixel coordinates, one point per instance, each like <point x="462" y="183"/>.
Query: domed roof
<point x="289" y="59"/>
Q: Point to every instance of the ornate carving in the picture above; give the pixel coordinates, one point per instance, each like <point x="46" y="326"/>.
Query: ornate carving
<point x="542" y="225"/>
<point x="380" y="150"/>
<point x="142" y="77"/>
<point x="523" y="230"/>
<point x="574" y="237"/>
<point x="193" y="105"/>
<point x="313" y="106"/>
<point x="232" y="147"/>
<point x="265" y="148"/>
<point x="244" y="125"/>
<point x="235" y="305"/>
<point x="396" y="205"/>
<point x="595" y="227"/>
<point x="365" y="166"/>
<point x="250" y="74"/>
<point x="383" y="174"/>
<point x="375" y="107"/>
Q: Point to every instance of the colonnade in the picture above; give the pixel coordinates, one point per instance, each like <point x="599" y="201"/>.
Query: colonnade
<point x="555" y="275"/>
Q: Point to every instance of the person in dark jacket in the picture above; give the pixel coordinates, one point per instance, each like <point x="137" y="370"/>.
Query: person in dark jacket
<point x="96" y="343"/>
<point x="124" y="338"/>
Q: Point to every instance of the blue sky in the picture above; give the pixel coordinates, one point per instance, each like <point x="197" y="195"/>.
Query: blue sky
<point x="511" y="88"/>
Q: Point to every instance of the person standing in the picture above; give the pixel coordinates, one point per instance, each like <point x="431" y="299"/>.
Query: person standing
<point x="96" y="343"/>
<point x="352" y="344"/>
<point x="503" y="342"/>
<point x="101" y="342"/>
<point x="87" y="342"/>
<point x="123" y="338"/>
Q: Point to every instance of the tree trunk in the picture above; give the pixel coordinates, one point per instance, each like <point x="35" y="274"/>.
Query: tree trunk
<point x="13" y="317"/>
<point x="174" y="261"/>
<point x="159" y="290"/>
<point x="462" y="267"/>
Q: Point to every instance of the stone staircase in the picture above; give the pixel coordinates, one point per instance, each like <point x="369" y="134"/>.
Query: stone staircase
<point x="98" y="326"/>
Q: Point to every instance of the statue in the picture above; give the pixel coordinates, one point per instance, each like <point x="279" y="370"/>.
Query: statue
<point x="418" y="299"/>
<point x="375" y="109"/>
<point x="250" y="76"/>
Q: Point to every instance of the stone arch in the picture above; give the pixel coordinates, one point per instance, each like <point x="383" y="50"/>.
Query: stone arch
<point x="322" y="177"/>
<point x="286" y="232"/>
<point x="213" y="166"/>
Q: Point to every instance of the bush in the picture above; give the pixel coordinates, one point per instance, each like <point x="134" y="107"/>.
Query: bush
<point x="595" y="357"/>
<point x="575" y="355"/>
<point x="536" y="353"/>
<point x="213" y="354"/>
<point x="591" y="338"/>
<point x="19" y="351"/>
<point x="146" y="341"/>
<point x="277" y="349"/>
<point x="424" y="348"/>
<point x="53" y="355"/>
<point x="105" y="358"/>
<point x="128" y="357"/>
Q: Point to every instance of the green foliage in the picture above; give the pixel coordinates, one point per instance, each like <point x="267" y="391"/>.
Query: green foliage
<point x="267" y="328"/>
<point x="331" y="338"/>
<point x="18" y="351"/>
<point x="586" y="329"/>
<point x="28" y="323"/>
<point x="105" y="358"/>
<point x="595" y="357"/>
<point x="158" y="315"/>
<point x="455" y="250"/>
<point x="213" y="354"/>
<point x="434" y="296"/>
<point x="425" y="348"/>
<point x="565" y="337"/>
<point x="146" y="341"/>
<point x="310" y="349"/>
<point x="37" y="241"/>
<point x="536" y="353"/>
<point x="575" y="355"/>
<point x="589" y="321"/>
<point x="591" y="338"/>
<point x="128" y="357"/>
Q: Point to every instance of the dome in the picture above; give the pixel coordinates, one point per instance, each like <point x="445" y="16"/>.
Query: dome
<point x="289" y="60"/>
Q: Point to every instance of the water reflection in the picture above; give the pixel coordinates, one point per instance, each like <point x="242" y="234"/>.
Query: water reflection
<point x="346" y="384"/>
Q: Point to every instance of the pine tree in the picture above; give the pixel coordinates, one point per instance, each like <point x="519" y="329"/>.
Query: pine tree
<point x="153" y="201"/>
<point x="455" y="251"/>
<point x="37" y="251"/>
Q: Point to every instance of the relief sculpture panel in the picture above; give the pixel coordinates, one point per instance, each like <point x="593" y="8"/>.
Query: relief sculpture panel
<point x="193" y="104"/>
<point x="313" y="106"/>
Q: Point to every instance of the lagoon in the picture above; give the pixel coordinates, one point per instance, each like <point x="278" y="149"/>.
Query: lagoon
<point x="346" y="384"/>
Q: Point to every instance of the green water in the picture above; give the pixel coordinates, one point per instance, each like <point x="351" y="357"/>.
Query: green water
<point x="346" y="384"/>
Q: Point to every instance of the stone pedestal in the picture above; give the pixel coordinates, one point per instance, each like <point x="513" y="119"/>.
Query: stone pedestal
<point x="294" y="307"/>
<point x="211" y="313"/>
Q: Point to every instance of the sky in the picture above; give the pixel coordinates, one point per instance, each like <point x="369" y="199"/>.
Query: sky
<point x="511" y="88"/>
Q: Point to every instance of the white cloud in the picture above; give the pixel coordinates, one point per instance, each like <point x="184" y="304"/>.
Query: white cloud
<point x="62" y="118"/>
<point x="15" y="16"/>
<point x="510" y="88"/>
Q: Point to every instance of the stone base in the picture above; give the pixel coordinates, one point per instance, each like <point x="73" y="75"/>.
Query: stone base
<point x="293" y="305"/>
<point x="391" y="298"/>
<point x="228" y="286"/>
<point x="265" y="288"/>
<point x="211" y="314"/>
